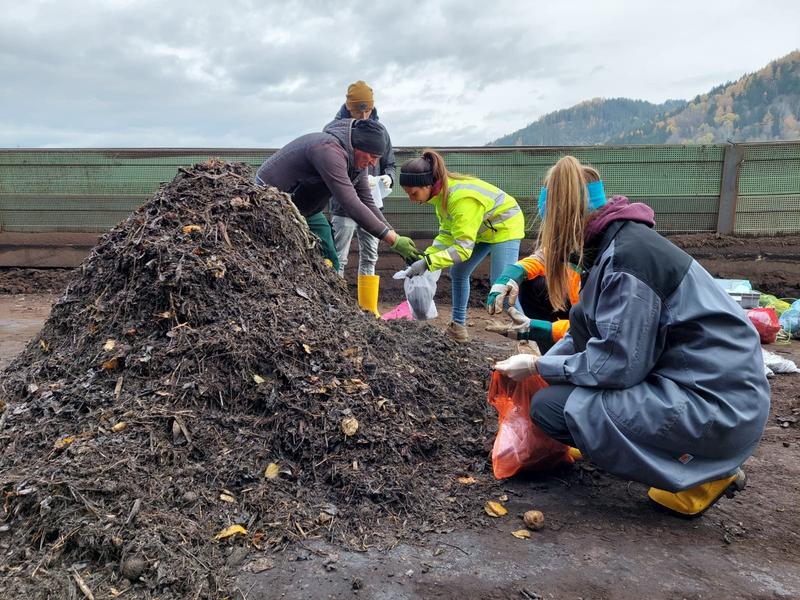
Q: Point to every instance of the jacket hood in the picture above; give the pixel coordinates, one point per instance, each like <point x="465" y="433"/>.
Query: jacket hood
<point x="341" y="129"/>
<point x="344" y="113"/>
<point x="618" y="208"/>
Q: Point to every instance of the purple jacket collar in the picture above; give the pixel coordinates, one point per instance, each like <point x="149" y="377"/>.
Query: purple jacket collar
<point x="618" y="208"/>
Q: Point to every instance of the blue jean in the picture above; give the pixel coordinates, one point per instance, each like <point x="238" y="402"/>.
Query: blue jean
<point x="503" y="254"/>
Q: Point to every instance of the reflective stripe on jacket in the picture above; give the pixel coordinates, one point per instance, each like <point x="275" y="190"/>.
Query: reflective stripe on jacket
<point x="476" y="212"/>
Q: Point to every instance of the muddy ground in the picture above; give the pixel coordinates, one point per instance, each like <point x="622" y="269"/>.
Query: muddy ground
<point x="602" y="539"/>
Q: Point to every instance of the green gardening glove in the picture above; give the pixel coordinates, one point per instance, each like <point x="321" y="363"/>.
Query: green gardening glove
<point x="506" y="287"/>
<point x="540" y="332"/>
<point x="405" y="247"/>
<point x="523" y="328"/>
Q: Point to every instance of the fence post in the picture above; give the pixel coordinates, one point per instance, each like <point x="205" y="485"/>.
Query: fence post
<point x="729" y="189"/>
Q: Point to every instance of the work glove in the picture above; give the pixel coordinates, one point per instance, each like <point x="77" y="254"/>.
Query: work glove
<point x="505" y="288"/>
<point x="418" y="268"/>
<point x="518" y="367"/>
<point x="372" y="181"/>
<point x="387" y="181"/>
<point x="405" y="247"/>
<point x="523" y="328"/>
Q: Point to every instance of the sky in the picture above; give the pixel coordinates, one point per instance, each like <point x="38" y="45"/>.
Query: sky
<point x="257" y="74"/>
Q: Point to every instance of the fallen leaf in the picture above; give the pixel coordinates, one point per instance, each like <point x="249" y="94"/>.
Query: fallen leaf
<point x="307" y="348"/>
<point x="226" y="496"/>
<point x="119" y="426"/>
<point x="468" y="480"/>
<point x="109" y="345"/>
<point x="349" y="426"/>
<point x="230" y="531"/>
<point x="111" y="364"/>
<point x="495" y="509"/>
<point x="272" y="470"/>
<point x="64" y="442"/>
<point x="191" y="228"/>
<point x="44" y="346"/>
<point x="302" y="293"/>
<point x="258" y="379"/>
<point x="522" y="534"/>
<point x="167" y="314"/>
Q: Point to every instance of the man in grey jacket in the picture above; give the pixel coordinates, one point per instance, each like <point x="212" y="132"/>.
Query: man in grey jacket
<point x="314" y="166"/>
<point x="360" y="104"/>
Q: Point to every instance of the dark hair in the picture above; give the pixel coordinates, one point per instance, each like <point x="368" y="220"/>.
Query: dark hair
<point x="428" y="170"/>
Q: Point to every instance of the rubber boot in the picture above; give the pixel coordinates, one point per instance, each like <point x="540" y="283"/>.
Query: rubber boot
<point x="368" y="286"/>
<point x="695" y="501"/>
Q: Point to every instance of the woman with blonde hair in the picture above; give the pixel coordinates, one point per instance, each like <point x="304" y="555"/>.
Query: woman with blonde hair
<point x="475" y="219"/>
<point x="660" y="377"/>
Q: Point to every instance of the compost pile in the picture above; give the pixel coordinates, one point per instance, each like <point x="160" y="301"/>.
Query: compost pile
<point x="206" y="391"/>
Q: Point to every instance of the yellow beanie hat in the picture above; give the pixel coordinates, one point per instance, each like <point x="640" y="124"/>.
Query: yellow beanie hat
<point x="359" y="97"/>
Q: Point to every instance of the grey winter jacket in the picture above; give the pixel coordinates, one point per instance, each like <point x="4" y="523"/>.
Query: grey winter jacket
<point x="386" y="165"/>
<point x="316" y="165"/>
<point x="671" y="387"/>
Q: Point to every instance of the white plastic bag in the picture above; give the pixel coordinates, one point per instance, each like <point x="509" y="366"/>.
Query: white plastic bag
<point x="379" y="191"/>
<point x="777" y="364"/>
<point x="420" y="290"/>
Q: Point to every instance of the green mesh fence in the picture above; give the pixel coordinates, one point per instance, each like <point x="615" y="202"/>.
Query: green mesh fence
<point x="769" y="189"/>
<point x="92" y="190"/>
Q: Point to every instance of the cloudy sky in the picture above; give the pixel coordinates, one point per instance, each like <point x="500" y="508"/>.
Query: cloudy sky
<point x="249" y="73"/>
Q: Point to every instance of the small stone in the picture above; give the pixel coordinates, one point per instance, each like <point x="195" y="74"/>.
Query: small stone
<point x="132" y="568"/>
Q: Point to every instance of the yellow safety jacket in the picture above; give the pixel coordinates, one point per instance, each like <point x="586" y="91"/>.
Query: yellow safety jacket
<point x="476" y="212"/>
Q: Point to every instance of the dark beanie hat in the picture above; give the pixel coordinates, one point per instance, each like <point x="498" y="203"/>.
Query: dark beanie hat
<point x="417" y="172"/>
<point x="369" y="136"/>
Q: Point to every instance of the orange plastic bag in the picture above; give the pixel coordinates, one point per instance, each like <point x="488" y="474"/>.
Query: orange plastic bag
<point x="520" y="443"/>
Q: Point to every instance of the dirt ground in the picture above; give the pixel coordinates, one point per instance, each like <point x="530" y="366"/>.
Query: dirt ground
<point x="602" y="539"/>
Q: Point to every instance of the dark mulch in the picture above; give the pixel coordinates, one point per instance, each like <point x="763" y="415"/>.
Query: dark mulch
<point x="200" y="371"/>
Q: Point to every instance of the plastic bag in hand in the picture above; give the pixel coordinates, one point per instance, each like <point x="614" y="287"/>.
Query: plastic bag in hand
<point x="520" y="443"/>
<point x="420" y="290"/>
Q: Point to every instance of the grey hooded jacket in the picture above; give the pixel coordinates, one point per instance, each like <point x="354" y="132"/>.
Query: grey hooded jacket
<point x="671" y="386"/>
<point x="386" y="165"/>
<point x="317" y="165"/>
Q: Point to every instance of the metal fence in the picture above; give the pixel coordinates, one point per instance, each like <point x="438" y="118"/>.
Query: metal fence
<point x="751" y="188"/>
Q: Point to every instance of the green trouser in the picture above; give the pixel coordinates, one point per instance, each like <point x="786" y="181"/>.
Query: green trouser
<point x="319" y="226"/>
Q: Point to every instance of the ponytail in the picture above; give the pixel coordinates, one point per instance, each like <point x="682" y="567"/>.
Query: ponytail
<point x="565" y="218"/>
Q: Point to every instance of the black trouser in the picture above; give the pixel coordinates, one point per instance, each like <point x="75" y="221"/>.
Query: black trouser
<point x="535" y="303"/>
<point x="547" y="411"/>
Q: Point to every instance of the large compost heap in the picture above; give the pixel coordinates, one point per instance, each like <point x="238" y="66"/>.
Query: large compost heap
<point x="205" y="369"/>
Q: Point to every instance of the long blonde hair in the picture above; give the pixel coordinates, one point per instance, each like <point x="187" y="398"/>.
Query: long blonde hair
<point x="566" y="213"/>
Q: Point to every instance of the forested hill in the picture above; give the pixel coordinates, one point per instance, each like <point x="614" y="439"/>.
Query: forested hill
<point x="760" y="106"/>
<point x="592" y="122"/>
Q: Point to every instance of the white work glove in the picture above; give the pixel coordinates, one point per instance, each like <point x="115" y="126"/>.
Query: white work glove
<point x="499" y="292"/>
<point x="518" y="367"/>
<point x="372" y="181"/>
<point x="516" y="330"/>
<point x="387" y="181"/>
<point x="417" y="268"/>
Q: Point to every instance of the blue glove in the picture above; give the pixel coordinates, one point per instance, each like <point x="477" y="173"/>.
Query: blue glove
<point x="506" y="287"/>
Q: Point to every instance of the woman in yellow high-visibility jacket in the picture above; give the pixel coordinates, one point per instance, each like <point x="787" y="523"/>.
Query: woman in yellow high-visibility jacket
<point x="475" y="219"/>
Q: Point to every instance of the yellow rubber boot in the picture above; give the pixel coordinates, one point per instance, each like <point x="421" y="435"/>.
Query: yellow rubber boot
<point x="695" y="501"/>
<point x="368" y="286"/>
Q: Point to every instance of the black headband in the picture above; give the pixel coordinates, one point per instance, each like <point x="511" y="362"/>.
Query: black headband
<point x="416" y="179"/>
